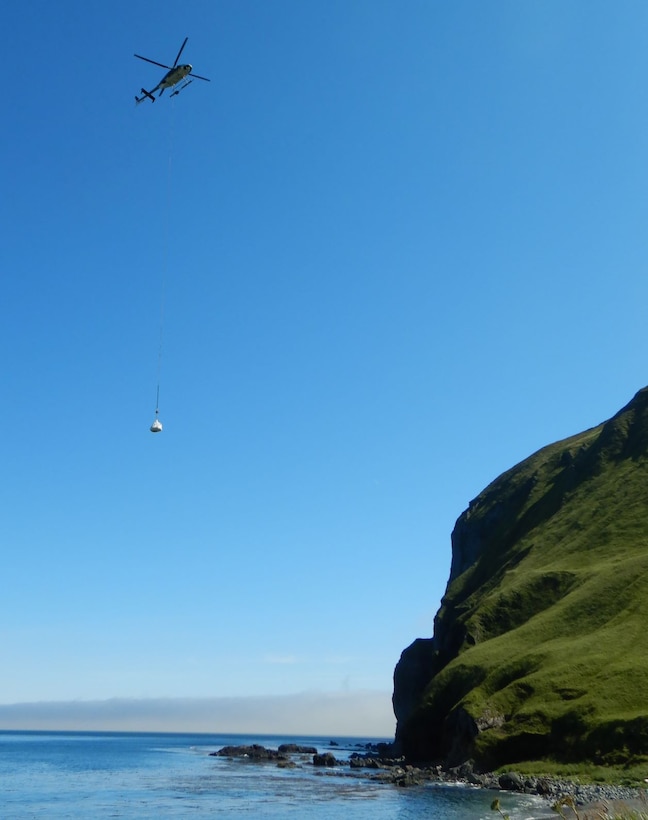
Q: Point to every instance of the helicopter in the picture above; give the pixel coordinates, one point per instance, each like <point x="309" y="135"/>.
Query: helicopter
<point x="175" y="74"/>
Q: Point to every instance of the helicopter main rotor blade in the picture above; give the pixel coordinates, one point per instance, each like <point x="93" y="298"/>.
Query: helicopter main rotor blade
<point x="180" y="52"/>
<point x="155" y="62"/>
<point x="198" y="77"/>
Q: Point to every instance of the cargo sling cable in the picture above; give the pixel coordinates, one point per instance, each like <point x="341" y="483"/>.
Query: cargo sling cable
<point x="156" y="427"/>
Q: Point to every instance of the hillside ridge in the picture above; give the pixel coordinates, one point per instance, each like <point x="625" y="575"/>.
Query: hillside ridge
<point x="540" y="642"/>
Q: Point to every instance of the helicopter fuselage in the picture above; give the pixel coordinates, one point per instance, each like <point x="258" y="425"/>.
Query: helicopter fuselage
<point x="171" y="78"/>
<point x="174" y="76"/>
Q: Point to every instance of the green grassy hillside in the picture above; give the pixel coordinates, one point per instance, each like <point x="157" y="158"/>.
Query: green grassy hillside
<point x="541" y="643"/>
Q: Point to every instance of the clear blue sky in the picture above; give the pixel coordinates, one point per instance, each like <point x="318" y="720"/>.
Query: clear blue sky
<point x="400" y="246"/>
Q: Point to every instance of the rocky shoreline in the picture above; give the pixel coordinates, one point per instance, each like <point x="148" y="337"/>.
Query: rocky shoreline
<point x="600" y="800"/>
<point x="400" y="773"/>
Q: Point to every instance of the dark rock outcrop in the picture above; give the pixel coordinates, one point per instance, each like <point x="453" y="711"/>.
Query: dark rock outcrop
<point x="282" y="756"/>
<point x="325" y="759"/>
<point x="254" y="752"/>
<point x="413" y="672"/>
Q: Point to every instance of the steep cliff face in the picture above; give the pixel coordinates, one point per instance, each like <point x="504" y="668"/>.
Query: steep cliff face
<point x="541" y="641"/>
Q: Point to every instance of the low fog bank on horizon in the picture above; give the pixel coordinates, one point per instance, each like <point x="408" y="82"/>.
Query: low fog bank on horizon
<point x="355" y="714"/>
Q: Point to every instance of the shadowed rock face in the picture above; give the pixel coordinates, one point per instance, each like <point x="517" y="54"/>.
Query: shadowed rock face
<point x="412" y="674"/>
<point x="530" y="556"/>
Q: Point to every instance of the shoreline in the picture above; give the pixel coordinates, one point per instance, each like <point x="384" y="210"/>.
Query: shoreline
<point x="591" y="801"/>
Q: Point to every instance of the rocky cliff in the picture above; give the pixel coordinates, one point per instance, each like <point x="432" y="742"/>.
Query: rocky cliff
<point x="540" y="647"/>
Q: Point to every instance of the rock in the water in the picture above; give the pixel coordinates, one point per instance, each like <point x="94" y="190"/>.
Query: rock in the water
<point x="253" y="752"/>
<point x="325" y="759"/>
<point x="296" y="749"/>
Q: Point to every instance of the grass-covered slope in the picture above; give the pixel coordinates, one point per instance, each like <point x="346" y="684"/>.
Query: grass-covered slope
<point x="541" y="643"/>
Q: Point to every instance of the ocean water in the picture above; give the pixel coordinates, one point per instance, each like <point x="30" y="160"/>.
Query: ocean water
<point x="122" y="775"/>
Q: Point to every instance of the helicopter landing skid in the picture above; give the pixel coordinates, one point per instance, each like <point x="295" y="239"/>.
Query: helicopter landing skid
<point x="178" y="90"/>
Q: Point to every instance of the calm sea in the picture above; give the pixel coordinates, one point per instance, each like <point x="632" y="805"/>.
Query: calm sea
<point x="102" y="775"/>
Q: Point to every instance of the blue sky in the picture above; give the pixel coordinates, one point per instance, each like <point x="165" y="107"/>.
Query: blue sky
<point x="398" y="247"/>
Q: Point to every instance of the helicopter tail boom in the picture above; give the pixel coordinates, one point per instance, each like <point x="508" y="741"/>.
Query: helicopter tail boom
<point x="145" y="94"/>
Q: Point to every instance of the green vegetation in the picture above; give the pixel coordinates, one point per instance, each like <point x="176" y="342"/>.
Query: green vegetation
<point x="545" y="633"/>
<point x="495" y="806"/>
<point x="586" y="772"/>
<point x="565" y="802"/>
<point x="566" y="807"/>
<point x="629" y="815"/>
